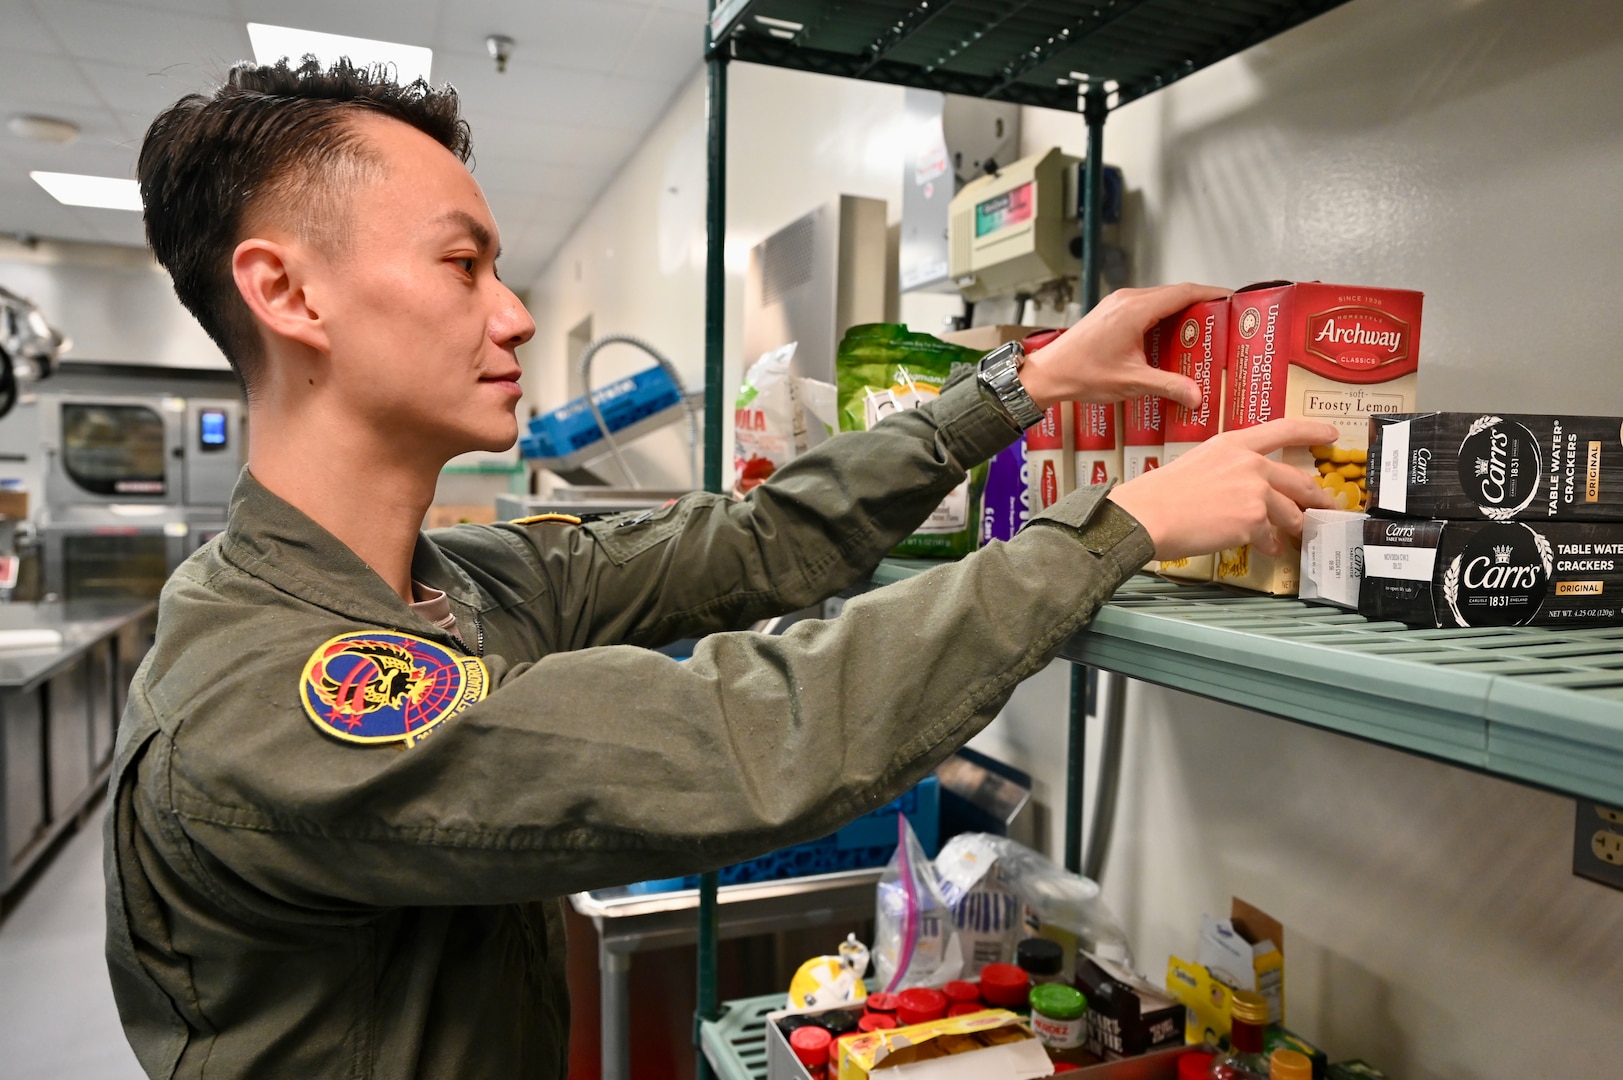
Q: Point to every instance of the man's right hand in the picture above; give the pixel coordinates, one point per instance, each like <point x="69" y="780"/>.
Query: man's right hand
<point x="1227" y="492"/>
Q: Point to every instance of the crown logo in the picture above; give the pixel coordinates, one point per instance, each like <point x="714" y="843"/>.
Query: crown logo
<point x="1482" y="466"/>
<point x="1501" y="554"/>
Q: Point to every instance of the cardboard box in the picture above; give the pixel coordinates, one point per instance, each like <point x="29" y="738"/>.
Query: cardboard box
<point x="1098" y="443"/>
<point x="1246" y="951"/>
<point x="1333" y="557"/>
<point x="987" y="338"/>
<point x="1198" y="350"/>
<point x="1493" y="573"/>
<point x="1336" y="353"/>
<point x="14" y="505"/>
<point x="1500" y="466"/>
<point x="1206" y="1001"/>
<point x="1127" y="1016"/>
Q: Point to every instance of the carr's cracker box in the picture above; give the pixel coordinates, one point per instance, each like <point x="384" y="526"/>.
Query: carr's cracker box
<point x="1501" y="466"/>
<point x="1493" y="573"/>
<point x="1198" y="350"/>
<point x="1143" y="433"/>
<point x="1333" y="557"/>
<point x="1336" y="353"/>
<point x="1098" y="443"/>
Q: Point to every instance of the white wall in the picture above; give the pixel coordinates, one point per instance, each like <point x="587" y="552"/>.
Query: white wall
<point x="1468" y="148"/>
<point x="635" y="264"/>
<point x="116" y="304"/>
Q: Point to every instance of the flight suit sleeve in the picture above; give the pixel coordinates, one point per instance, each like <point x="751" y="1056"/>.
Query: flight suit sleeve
<point x="610" y="765"/>
<point x="708" y="562"/>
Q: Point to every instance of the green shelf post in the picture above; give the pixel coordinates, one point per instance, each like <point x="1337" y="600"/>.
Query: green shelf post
<point x="715" y="330"/>
<point x="1094" y="110"/>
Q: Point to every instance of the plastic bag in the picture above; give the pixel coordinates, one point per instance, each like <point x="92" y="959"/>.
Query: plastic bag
<point x="976" y="870"/>
<point x="883" y="368"/>
<point x="915" y="942"/>
<point x="777" y="416"/>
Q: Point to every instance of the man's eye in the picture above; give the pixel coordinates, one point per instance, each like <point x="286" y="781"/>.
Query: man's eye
<point x="466" y="264"/>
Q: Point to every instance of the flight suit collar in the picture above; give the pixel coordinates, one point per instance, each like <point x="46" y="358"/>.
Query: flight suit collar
<point x="275" y="541"/>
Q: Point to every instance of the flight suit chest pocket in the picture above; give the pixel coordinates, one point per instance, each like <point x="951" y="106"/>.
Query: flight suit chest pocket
<point x="625" y="536"/>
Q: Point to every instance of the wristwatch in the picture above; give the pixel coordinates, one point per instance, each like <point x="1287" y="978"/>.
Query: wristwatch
<point x="1000" y="371"/>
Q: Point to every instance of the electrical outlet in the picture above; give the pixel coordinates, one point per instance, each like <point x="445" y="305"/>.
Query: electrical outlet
<point x="1597" y="844"/>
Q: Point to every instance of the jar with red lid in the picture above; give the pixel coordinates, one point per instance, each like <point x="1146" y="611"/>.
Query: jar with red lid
<point x="920" y="1005"/>
<point x="810" y="1046"/>
<point x="875" y="1022"/>
<point x="880" y="1003"/>
<point x="1005" y="986"/>
<point x="961" y="992"/>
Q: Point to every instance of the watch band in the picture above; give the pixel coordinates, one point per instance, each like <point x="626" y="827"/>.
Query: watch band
<point x="1000" y="371"/>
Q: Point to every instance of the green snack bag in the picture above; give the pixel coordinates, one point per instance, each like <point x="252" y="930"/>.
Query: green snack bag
<point x="884" y="368"/>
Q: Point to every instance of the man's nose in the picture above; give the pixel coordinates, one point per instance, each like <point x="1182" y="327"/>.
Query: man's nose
<point x="512" y="324"/>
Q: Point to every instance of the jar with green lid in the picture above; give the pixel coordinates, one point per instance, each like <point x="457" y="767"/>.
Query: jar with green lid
<point x="1059" y="1017"/>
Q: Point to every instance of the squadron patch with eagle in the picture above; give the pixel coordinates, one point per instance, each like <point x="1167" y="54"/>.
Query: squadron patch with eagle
<point x="379" y="686"/>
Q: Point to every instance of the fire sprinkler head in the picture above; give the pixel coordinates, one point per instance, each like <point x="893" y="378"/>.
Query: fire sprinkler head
<point x="500" y="47"/>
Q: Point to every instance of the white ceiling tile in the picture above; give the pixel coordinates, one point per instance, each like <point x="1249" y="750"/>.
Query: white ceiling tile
<point x="137" y="94"/>
<point x="99" y="157"/>
<point x="97" y="125"/>
<point x="26" y="208"/>
<point x="25" y="31"/>
<point x="587" y="79"/>
<point x="581" y="33"/>
<point x="539" y="142"/>
<point x="527" y="91"/>
<point x="698" y="9"/>
<point x="630" y="104"/>
<point x="32" y="82"/>
<point x="669" y="49"/>
<point x="213" y="8"/>
<point x="116" y="227"/>
<point x="145" y="37"/>
<point x="408" y="22"/>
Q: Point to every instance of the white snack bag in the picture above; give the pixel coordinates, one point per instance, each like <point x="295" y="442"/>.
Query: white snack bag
<point x="770" y="422"/>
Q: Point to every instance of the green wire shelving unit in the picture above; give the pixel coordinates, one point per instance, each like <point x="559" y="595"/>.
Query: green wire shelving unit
<point x="1088" y="57"/>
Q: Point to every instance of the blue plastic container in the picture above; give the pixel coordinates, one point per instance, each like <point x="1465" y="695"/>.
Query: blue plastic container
<point x="622" y="403"/>
<point x="867" y="842"/>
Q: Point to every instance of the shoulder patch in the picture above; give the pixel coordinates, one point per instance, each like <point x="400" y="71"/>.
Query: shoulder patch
<point x="537" y="519"/>
<point x="385" y="687"/>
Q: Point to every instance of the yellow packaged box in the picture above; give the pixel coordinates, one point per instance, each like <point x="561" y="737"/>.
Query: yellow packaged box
<point x="991" y="1043"/>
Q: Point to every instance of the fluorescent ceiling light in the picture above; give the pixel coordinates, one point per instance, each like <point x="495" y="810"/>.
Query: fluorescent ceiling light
<point x="76" y="189"/>
<point x="272" y="43"/>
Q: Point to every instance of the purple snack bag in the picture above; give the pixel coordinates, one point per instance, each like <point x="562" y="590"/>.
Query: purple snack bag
<point x="1004" y="510"/>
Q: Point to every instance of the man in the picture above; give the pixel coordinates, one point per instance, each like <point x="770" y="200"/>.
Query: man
<point x="361" y="763"/>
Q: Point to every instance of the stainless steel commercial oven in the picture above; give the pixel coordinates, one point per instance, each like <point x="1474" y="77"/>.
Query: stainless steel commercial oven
<point x="133" y="485"/>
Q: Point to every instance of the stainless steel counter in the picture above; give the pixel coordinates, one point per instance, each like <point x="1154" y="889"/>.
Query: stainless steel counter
<point x="59" y="708"/>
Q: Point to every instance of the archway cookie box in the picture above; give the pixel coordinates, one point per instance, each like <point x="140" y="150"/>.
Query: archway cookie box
<point x="1334" y="353"/>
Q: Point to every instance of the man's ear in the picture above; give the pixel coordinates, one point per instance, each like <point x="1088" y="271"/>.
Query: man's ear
<point x="272" y="280"/>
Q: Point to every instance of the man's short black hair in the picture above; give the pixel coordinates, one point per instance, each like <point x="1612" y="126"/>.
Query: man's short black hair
<point x="275" y="142"/>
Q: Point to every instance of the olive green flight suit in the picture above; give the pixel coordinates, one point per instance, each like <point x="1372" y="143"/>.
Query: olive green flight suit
<point x="285" y="904"/>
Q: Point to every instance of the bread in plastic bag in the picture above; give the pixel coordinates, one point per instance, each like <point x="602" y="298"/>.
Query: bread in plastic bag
<point x="980" y="875"/>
